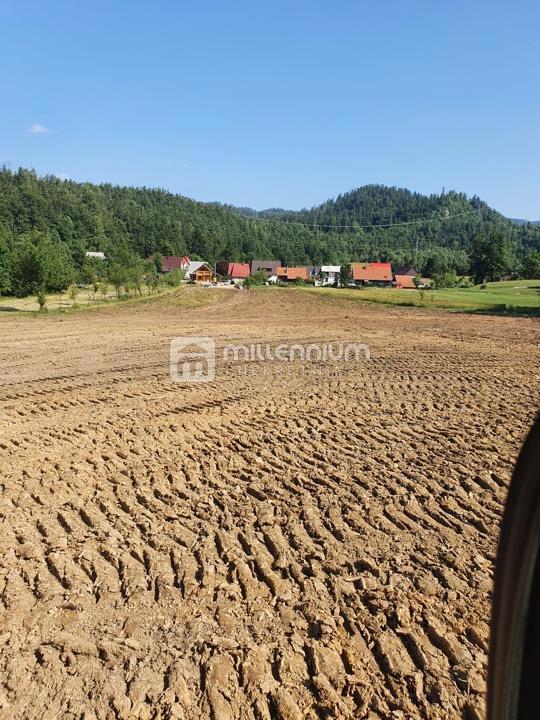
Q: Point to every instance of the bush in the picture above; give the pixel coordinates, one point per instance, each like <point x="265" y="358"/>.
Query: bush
<point x="299" y="281"/>
<point x="92" y="270"/>
<point x="174" y="278"/>
<point x="118" y="277"/>
<point x="151" y="275"/>
<point x="73" y="292"/>
<point x="258" y="278"/>
<point x="444" y="280"/>
<point x="41" y="299"/>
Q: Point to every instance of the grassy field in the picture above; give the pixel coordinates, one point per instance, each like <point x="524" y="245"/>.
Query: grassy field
<point x="57" y="301"/>
<point x="515" y="296"/>
<point x="185" y="295"/>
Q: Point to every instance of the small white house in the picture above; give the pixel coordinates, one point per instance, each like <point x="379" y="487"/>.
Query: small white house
<point x="97" y="255"/>
<point x="330" y="274"/>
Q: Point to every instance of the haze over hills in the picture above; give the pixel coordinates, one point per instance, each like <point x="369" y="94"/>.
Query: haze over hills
<point x="373" y="222"/>
<point x="521" y="221"/>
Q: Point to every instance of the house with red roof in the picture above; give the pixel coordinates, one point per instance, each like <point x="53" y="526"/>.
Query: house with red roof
<point x="238" y="271"/>
<point x="174" y="262"/>
<point x="372" y="273"/>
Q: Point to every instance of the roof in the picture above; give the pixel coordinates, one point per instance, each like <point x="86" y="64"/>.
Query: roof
<point x="405" y="281"/>
<point x="293" y="273"/>
<point x="173" y="262"/>
<point x="405" y="270"/>
<point x="377" y="271"/>
<point x="238" y="270"/>
<point x="194" y="266"/>
<point x="204" y="268"/>
<point x="331" y="268"/>
<point x="270" y="266"/>
<point x="91" y="253"/>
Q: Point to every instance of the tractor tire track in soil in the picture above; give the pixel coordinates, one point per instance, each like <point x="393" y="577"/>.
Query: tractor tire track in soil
<point x="295" y="545"/>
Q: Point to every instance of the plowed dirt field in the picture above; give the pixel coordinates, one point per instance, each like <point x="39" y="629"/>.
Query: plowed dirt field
<point x="301" y="542"/>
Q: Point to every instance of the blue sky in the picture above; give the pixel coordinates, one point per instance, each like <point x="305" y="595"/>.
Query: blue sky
<point x="281" y="103"/>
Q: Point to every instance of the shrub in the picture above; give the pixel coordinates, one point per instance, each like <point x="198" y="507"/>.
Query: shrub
<point x="41" y="298"/>
<point x="174" y="278"/>
<point x="73" y="292"/>
<point x="444" y="280"/>
<point x="258" y="278"/>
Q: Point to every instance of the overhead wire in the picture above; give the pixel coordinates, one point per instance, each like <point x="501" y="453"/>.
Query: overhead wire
<point x="328" y="226"/>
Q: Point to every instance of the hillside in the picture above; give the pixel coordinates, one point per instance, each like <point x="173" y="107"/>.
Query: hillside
<point x="521" y="221"/>
<point x="120" y="220"/>
<point x="448" y="220"/>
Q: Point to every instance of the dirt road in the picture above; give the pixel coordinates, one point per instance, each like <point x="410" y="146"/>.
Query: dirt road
<point x="309" y="541"/>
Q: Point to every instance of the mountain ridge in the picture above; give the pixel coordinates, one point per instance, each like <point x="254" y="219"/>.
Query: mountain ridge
<point x="373" y="222"/>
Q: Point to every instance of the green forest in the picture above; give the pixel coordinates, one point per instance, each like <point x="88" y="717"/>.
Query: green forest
<point x="45" y="217"/>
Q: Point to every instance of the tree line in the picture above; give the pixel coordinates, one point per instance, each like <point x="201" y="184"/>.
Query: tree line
<point x="48" y="224"/>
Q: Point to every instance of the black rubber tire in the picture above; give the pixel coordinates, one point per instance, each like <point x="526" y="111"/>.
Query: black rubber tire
<point x="514" y="658"/>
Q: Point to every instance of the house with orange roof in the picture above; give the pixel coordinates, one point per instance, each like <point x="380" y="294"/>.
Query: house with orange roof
<point x="404" y="282"/>
<point x="372" y="273"/>
<point x="290" y="274"/>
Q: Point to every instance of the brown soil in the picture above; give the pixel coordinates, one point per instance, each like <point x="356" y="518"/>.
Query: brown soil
<point x="315" y="543"/>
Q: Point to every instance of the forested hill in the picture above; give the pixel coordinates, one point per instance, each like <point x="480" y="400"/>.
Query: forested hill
<point x="381" y="205"/>
<point x="520" y="221"/>
<point x="143" y="221"/>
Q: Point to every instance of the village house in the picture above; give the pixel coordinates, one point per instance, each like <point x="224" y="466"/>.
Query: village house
<point x="330" y="274"/>
<point x="174" y="262"/>
<point x="96" y="255"/>
<point x="290" y="274"/>
<point x="375" y="273"/>
<point x="270" y="267"/>
<point x="405" y="270"/>
<point x="404" y="282"/>
<point x="238" y="271"/>
<point x="199" y="272"/>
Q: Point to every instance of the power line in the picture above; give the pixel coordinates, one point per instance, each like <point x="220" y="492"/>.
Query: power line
<point x="359" y="227"/>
